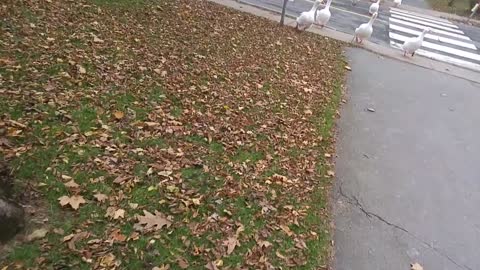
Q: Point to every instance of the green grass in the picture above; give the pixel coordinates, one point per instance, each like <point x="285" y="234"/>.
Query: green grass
<point x="212" y="176"/>
<point x="460" y="7"/>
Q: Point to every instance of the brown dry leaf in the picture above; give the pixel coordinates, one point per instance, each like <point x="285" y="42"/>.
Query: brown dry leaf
<point x="211" y="266"/>
<point x="231" y="243"/>
<point x="117" y="236"/>
<point x="264" y="244"/>
<point x="416" y="266"/>
<point x="348" y="68"/>
<point x="108" y="261"/>
<point x="330" y="173"/>
<point x="163" y="267"/>
<point x="182" y="263"/>
<point x="37" y="234"/>
<point x="286" y="229"/>
<point x="73" y="238"/>
<point x="280" y="255"/>
<point x="71" y="184"/>
<point x="115" y="213"/>
<point x="151" y="221"/>
<point x="118" y="115"/>
<point x="74" y="201"/>
<point x="81" y="69"/>
<point x="119" y="213"/>
<point x="100" y="197"/>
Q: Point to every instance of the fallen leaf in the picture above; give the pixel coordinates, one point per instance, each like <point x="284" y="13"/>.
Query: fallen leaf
<point x="286" y="229"/>
<point x="150" y="221"/>
<point x="100" y="197"/>
<point x="81" y="69"/>
<point x="163" y="267"/>
<point x="37" y="234"/>
<point x="211" y="266"/>
<point x="182" y="263"/>
<point x="72" y="239"/>
<point x="330" y="173"/>
<point x="231" y="243"/>
<point x="120" y="213"/>
<point x="97" y="39"/>
<point x="348" y="68"/>
<point x="71" y="184"/>
<point x="74" y="201"/>
<point x="118" y="115"/>
<point x="117" y="236"/>
<point x="416" y="266"/>
<point x="280" y="255"/>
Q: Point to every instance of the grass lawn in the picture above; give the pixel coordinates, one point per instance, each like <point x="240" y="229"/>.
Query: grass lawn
<point x="459" y="7"/>
<point x="166" y="135"/>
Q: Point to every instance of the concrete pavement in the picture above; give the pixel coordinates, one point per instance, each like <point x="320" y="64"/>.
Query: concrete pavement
<point x="408" y="186"/>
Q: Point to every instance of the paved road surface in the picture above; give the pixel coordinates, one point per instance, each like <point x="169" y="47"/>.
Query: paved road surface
<point x="408" y="187"/>
<point x="449" y="42"/>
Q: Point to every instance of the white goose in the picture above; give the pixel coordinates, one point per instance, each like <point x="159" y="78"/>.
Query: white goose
<point x="307" y="18"/>
<point x="397" y="3"/>
<point x="364" y="31"/>
<point x="374" y="7"/>
<point x="323" y="16"/>
<point x="413" y="44"/>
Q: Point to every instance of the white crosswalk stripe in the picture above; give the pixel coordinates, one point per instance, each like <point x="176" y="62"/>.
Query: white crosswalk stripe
<point x="446" y="42"/>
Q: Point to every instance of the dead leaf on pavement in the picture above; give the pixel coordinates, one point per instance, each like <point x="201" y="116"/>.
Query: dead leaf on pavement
<point x="37" y="234"/>
<point x="74" y="201"/>
<point x="150" y="221"/>
<point x="416" y="266"/>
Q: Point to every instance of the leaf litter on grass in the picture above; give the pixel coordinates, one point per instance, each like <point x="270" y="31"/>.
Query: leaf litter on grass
<point x="180" y="139"/>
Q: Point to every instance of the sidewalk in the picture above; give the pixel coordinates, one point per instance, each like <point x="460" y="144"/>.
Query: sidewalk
<point x="407" y="186"/>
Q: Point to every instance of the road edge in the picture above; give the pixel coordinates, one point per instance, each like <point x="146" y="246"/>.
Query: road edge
<point x="389" y="52"/>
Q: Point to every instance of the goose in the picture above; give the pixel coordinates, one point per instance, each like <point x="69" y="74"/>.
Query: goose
<point x="412" y="44"/>
<point x="307" y="18"/>
<point x="397" y="3"/>
<point x="364" y="31"/>
<point x="374" y="7"/>
<point x="324" y="15"/>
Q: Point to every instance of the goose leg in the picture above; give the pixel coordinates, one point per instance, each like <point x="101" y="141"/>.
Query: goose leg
<point x="413" y="53"/>
<point x="404" y="53"/>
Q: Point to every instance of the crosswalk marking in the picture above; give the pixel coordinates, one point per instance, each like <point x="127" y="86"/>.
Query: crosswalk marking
<point x="446" y="42"/>
<point x="421" y="27"/>
<point x="424" y="19"/>
<point x="433" y="25"/>
<point x="441" y="57"/>
<point x="437" y="47"/>
<point x="419" y="15"/>
<point x="433" y="37"/>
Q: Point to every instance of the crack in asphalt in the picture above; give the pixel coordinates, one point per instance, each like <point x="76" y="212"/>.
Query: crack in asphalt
<point x="353" y="200"/>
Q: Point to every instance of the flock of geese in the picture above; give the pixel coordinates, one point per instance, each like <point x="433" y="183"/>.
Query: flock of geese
<point x="363" y="32"/>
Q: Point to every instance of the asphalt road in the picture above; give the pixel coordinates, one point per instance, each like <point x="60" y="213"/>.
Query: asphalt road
<point x="347" y="17"/>
<point x="407" y="186"/>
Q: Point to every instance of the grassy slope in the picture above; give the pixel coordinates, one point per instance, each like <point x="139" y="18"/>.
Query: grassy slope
<point x="220" y="120"/>
<point x="460" y="7"/>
